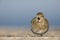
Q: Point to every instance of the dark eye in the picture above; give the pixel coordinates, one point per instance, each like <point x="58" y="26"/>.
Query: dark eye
<point x="38" y="18"/>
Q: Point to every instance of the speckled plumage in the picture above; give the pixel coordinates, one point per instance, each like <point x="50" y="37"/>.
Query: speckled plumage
<point x="41" y="27"/>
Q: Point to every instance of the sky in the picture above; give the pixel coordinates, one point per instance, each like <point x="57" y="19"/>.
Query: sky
<point x="20" y="12"/>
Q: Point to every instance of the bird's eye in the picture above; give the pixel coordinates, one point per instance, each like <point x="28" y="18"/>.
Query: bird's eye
<point x="38" y="18"/>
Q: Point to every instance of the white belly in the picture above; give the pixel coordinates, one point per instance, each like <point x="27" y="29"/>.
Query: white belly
<point x="40" y="31"/>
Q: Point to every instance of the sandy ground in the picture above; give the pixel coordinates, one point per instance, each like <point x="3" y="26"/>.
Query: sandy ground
<point x="26" y="34"/>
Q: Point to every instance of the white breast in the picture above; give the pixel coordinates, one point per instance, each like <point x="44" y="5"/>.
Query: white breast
<point x="41" y="31"/>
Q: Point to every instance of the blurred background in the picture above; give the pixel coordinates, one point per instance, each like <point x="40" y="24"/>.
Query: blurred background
<point x="20" y="12"/>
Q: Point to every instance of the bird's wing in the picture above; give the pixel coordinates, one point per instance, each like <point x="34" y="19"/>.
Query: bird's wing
<point x="46" y="21"/>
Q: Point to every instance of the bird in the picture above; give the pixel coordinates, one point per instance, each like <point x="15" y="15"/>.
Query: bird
<point x="39" y="24"/>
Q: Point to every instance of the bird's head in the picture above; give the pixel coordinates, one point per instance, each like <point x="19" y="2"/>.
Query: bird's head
<point x="39" y="17"/>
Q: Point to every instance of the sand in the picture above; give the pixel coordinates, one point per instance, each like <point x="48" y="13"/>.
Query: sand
<point x="26" y="34"/>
